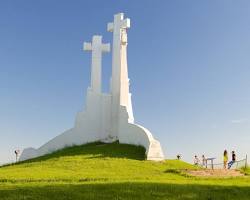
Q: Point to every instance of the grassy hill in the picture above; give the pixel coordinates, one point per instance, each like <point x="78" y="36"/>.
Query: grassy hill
<point x="111" y="171"/>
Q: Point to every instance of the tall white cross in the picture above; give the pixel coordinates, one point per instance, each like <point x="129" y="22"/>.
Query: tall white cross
<point x="119" y="56"/>
<point x="97" y="48"/>
<point x="119" y="81"/>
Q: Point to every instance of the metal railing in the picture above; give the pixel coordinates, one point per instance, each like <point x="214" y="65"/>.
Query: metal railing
<point x="239" y="164"/>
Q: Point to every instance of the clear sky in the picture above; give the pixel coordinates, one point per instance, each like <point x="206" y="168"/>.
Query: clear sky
<point x="189" y="65"/>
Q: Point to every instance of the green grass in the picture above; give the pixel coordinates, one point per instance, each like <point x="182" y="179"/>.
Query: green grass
<point x="246" y="171"/>
<point x="111" y="171"/>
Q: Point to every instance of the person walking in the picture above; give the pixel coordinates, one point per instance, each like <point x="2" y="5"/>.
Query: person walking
<point x="225" y="159"/>
<point x="230" y="164"/>
<point x="204" y="161"/>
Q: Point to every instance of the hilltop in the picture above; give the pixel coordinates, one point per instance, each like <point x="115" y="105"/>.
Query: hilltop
<point x="112" y="171"/>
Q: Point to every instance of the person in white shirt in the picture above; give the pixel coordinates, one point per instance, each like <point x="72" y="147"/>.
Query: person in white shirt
<point x="196" y="160"/>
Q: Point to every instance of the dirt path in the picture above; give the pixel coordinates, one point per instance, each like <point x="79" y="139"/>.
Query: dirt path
<point x="215" y="173"/>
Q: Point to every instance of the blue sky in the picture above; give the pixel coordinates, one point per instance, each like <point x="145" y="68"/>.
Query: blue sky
<point x="189" y="65"/>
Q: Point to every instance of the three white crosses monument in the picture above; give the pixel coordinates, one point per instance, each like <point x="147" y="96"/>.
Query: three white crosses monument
<point x="107" y="117"/>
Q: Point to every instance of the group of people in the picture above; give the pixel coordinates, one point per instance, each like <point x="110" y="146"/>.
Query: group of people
<point x="197" y="160"/>
<point x="227" y="165"/>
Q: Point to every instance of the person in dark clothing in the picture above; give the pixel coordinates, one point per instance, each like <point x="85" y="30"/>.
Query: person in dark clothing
<point x="233" y="160"/>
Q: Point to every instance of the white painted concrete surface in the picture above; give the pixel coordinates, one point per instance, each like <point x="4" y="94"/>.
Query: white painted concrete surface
<point x="107" y="117"/>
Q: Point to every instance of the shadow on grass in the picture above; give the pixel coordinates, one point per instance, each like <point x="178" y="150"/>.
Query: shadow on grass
<point x="123" y="191"/>
<point x="94" y="150"/>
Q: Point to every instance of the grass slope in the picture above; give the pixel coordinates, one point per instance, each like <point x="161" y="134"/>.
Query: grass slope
<point x="111" y="171"/>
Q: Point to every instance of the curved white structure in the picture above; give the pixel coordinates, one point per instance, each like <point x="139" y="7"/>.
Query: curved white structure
<point x="107" y="117"/>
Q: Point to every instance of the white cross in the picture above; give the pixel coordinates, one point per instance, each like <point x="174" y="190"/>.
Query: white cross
<point x="119" y="81"/>
<point x="97" y="48"/>
<point x="119" y="26"/>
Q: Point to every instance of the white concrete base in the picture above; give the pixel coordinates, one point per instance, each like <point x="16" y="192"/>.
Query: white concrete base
<point x="85" y="132"/>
